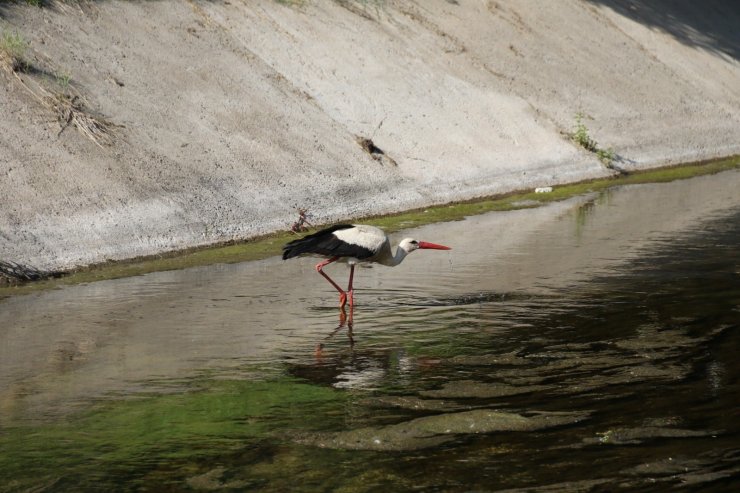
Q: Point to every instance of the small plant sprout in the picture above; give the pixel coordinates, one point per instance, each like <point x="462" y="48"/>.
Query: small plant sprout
<point x="63" y="80"/>
<point x="581" y="137"/>
<point x="606" y="155"/>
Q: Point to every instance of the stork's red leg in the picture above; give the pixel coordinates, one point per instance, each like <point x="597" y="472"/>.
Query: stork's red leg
<point x="351" y="290"/>
<point x="319" y="269"/>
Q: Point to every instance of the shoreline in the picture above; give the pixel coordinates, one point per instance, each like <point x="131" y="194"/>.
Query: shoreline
<point x="264" y="246"/>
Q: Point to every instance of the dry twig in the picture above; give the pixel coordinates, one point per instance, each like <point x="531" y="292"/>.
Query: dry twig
<point x="68" y="106"/>
<point x="301" y="224"/>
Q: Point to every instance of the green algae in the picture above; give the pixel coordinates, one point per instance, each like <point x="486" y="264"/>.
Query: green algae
<point x="270" y="245"/>
<point x="216" y="417"/>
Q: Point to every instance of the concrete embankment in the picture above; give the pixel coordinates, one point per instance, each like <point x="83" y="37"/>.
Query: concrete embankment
<point x="133" y="128"/>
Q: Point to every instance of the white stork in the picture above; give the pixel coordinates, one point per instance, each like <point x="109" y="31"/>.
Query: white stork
<point x="353" y="244"/>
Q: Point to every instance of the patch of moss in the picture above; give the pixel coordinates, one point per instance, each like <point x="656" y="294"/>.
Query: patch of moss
<point x="132" y="436"/>
<point x="270" y="245"/>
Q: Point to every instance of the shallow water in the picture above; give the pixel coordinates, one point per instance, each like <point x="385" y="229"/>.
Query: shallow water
<point x="587" y="345"/>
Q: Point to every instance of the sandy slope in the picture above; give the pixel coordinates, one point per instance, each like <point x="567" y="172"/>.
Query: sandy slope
<point x="234" y="113"/>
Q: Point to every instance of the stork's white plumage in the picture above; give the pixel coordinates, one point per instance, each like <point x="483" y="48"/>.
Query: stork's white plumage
<point x="353" y="244"/>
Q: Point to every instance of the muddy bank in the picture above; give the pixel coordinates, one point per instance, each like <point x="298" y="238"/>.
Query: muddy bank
<point x="220" y="119"/>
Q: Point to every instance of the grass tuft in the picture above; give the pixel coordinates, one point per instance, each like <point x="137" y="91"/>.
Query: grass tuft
<point x="63" y="80"/>
<point x="13" y="48"/>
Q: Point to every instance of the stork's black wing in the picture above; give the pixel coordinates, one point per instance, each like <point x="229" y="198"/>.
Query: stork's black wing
<point x="325" y="243"/>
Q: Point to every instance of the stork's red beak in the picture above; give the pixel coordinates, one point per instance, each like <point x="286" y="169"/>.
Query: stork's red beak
<point x="433" y="246"/>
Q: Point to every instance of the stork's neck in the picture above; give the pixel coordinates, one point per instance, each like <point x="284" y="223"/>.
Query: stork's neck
<point x="397" y="257"/>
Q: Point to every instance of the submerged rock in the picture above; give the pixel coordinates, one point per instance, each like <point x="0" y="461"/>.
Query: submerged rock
<point x="434" y="430"/>
<point x="213" y="480"/>
<point x="412" y="403"/>
<point x="479" y="390"/>
<point x="629" y="436"/>
<point x="507" y="359"/>
<point x="566" y="487"/>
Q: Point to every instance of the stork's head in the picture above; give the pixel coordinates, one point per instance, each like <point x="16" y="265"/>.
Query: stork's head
<point x="409" y="245"/>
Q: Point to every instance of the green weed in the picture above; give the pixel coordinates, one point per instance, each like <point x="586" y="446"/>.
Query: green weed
<point x="581" y="137"/>
<point x="606" y="155"/>
<point x="63" y="80"/>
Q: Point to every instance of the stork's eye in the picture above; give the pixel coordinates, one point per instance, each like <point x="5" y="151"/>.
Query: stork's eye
<point x="414" y="242"/>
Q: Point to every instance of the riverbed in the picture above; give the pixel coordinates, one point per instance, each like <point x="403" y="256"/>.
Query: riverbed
<point x="583" y="345"/>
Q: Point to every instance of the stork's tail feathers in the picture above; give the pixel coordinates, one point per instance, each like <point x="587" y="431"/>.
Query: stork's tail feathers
<point x="295" y="248"/>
